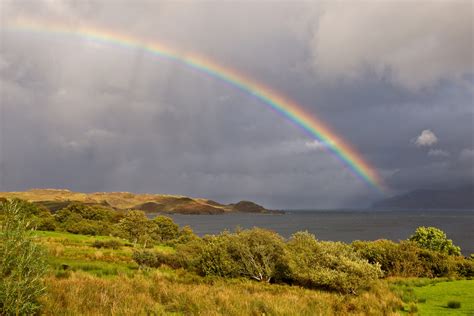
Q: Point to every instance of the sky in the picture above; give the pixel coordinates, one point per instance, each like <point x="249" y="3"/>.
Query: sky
<point x="395" y="79"/>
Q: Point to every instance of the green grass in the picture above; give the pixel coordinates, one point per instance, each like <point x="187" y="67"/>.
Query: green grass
<point x="432" y="296"/>
<point x="96" y="268"/>
<point x="84" y="240"/>
<point x="71" y="253"/>
<point x="71" y="237"/>
<point x="440" y="294"/>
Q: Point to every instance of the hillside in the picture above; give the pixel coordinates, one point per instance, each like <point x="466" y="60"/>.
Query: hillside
<point x="459" y="198"/>
<point x="55" y="199"/>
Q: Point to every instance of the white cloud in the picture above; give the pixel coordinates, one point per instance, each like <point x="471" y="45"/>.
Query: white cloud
<point x="413" y="43"/>
<point x="438" y="153"/>
<point x="426" y="138"/>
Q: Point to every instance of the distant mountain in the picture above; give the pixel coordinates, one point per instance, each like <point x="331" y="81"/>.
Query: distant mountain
<point x="459" y="198"/>
<point x="55" y="199"/>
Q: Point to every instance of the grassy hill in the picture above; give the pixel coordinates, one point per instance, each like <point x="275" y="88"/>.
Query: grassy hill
<point x="55" y="199"/>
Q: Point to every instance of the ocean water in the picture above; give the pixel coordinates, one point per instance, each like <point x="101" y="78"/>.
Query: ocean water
<point x="344" y="225"/>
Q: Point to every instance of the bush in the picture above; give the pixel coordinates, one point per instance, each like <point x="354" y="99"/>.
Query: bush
<point x="186" y="235"/>
<point x="146" y="258"/>
<point x="254" y="253"/>
<point x="22" y="263"/>
<point x="258" y="252"/>
<point x="454" y="304"/>
<point x="86" y="227"/>
<point x="46" y="223"/>
<point x="108" y="244"/>
<point x="215" y="257"/>
<point x="464" y="267"/>
<point x="394" y="259"/>
<point x="407" y="259"/>
<point x="95" y="213"/>
<point x="164" y="229"/>
<point x="136" y="227"/>
<point x="435" y="239"/>
<point x="328" y="265"/>
<point x="189" y="254"/>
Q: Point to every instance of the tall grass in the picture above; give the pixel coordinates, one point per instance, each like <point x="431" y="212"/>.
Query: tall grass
<point x="161" y="293"/>
<point x="22" y="263"/>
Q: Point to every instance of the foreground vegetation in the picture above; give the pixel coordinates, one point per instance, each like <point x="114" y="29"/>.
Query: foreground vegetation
<point x="128" y="264"/>
<point x="435" y="296"/>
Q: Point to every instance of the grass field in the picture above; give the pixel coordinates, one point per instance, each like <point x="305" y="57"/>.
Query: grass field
<point x="95" y="281"/>
<point x="71" y="252"/>
<point x="431" y="296"/>
<point x="433" y="299"/>
<point x="87" y="280"/>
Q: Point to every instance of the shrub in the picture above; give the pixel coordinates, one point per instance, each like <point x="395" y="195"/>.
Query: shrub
<point x="46" y="223"/>
<point x="155" y="259"/>
<point x="110" y="244"/>
<point x="328" y="265"/>
<point x="464" y="267"/>
<point x="95" y="213"/>
<point x="145" y="258"/>
<point x="22" y="263"/>
<point x="454" y="304"/>
<point x="215" y="257"/>
<point x="136" y="227"/>
<point x="434" y="239"/>
<point x="164" y="229"/>
<point x="86" y="227"/>
<point x="189" y="254"/>
<point x="254" y="253"/>
<point x="384" y="252"/>
<point x="407" y="259"/>
<point x="186" y="235"/>
<point x="258" y="252"/>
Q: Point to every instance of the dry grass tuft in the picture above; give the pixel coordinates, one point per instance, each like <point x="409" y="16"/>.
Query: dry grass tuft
<point x="161" y="293"/>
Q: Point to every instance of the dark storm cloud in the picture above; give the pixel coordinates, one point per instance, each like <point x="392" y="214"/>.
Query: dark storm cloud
<point x="89" y="116"/>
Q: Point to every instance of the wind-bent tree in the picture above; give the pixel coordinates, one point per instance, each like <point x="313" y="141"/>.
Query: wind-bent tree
<point x="22" y="263"/>
<point x="329" y="265"/>
<point x="259" y="253"/>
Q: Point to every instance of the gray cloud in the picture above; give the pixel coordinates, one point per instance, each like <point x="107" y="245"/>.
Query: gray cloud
<point x="438" y="153"/>
<point x="89" y="116"/>
<point x="413" y="44"/>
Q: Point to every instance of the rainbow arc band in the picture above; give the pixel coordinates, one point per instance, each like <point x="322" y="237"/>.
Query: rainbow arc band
<point x="279" y="103"/>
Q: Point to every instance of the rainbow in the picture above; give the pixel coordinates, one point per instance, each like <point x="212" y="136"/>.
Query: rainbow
<point x="281" y="104"/>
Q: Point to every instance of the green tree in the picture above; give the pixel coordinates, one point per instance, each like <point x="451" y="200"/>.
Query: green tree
<point x="136" y="227"/>
<point x="22" y="263"/>
<point x="164" y="229"/>
<point x="433" y="238"/>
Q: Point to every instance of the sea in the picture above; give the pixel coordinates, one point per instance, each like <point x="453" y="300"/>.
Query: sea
<point x="344" y="225"/>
